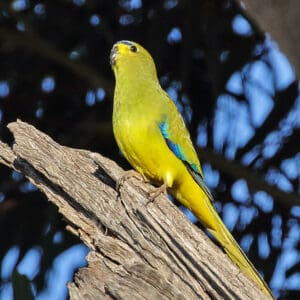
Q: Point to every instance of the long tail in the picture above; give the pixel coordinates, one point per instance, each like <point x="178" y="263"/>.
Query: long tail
<point x="192" y="193"/>
<point x="236" y="254"/>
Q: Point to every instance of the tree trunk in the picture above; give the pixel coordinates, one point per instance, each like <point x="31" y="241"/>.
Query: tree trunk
<point x="138" y="249"/>
<point x="281" y="20"/>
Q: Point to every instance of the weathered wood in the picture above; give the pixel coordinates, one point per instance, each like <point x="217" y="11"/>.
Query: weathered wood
<point x="138" y="249"/>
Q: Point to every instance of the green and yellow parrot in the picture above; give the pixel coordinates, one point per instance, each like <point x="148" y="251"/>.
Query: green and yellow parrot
<point x="152" y="135"/>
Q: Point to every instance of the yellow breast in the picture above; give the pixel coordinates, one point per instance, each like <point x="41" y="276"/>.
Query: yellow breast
<point x="144" y="147"/>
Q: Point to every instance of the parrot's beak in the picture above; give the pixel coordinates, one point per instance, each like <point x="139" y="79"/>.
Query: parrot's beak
<point x="113" y="54"/>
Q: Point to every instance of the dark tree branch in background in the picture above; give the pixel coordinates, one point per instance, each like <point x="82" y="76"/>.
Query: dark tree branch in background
<point x="37" y="45"/>
<point x="279" y="19"/>
<point x="284" y="101"/>
<point x="138" y="249"/>
<point x="254" y="180"/>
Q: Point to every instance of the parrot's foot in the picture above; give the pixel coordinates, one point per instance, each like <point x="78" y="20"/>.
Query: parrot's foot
<point x="127" y="175"/>
<point x="157" y="191"/>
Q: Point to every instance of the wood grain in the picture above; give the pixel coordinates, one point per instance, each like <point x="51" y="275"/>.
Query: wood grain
<point x="138" y="249"/>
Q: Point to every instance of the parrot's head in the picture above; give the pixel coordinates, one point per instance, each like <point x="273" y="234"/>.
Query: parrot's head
<point x="132" y="60"/>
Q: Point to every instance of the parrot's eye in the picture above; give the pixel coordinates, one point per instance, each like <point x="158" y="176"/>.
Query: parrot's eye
<point x="133" y="48"/>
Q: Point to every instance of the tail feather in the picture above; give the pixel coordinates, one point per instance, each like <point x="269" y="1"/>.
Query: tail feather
<point x="236" y="254"/>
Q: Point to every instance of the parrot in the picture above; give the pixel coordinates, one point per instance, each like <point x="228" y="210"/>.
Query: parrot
<point x="152" y="135"/>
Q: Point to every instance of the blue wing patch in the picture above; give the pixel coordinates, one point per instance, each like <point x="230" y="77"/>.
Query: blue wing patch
<point x="175" y="148"/>
<point x="164" y="129"/>
<point x="192" y="167"/>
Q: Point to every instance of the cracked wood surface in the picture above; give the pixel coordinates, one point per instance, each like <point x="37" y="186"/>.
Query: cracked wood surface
<point x="138" y="249"/>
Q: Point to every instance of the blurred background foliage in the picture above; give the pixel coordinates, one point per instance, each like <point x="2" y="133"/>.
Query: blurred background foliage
<point x="235" y="89"/>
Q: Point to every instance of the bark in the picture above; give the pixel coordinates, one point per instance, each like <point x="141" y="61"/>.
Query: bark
<point x="138" y="249"/>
